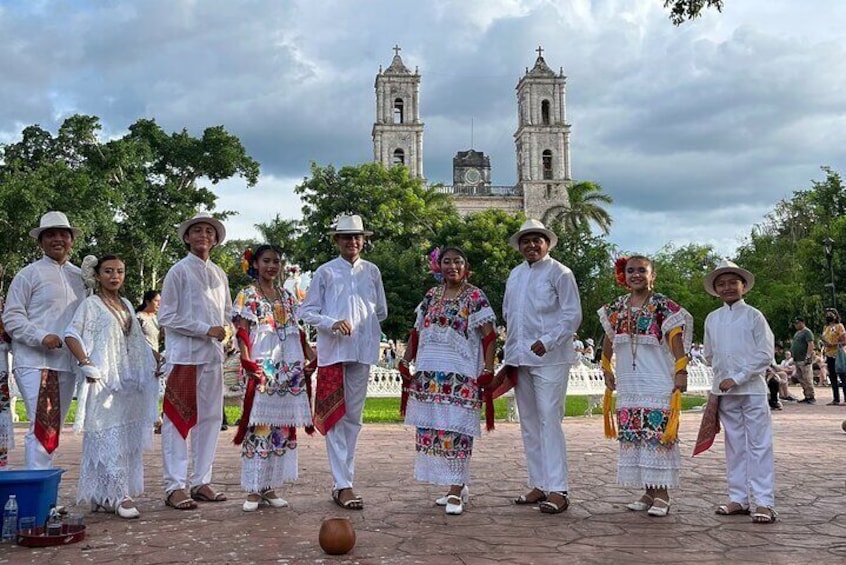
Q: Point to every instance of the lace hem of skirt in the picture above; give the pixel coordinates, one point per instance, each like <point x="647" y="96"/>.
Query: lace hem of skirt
<point x="441" y="471"/>
<point x="261" y="474"/>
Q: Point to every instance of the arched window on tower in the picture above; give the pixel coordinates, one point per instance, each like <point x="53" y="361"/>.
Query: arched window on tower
<point x="399" y="111"/>
<point x="547" y="164"/>
<point x="545" y="112"/>
<point x="399" y="157"/>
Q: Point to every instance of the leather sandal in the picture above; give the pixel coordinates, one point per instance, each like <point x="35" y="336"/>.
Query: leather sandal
<point x="534" y="496"/>
<point x="550" y="506"/>
<point x="204" y="493"/>
<point x="732" y="509"/>
<point x="179" y="500"/>
<point x="764" y="515"/>
<point x="353" y="503"/>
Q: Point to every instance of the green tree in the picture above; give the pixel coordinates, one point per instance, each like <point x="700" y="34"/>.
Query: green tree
<point x="585" y="206"/>
<point x="403" y="213"/>
<point x="686" y="10"/>
<point x="128" y="195"/>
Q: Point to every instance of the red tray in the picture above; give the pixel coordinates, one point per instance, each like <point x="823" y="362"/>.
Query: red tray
<point x="37" y="537"/>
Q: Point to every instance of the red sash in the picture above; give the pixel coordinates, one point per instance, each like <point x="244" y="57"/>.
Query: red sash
<point x="710" y="426"/>
<point x="329" y="404"/>
<point x="180" y="398"/>
<point x="48" y="412"/>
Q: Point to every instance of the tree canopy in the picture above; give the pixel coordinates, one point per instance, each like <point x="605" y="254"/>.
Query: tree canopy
<point x="127" y="194"/>
<point x="687" y="10"/>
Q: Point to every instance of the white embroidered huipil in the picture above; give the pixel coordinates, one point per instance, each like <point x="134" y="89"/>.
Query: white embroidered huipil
<point x="352" y="292"/>
<point x="117" y="411"/>
<point x="195" y="297"/>
<point x="739" y="345"/>
<point x="541" y="303"/>
<point x="42" y="299"/>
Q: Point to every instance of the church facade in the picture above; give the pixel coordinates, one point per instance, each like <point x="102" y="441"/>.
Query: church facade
<point x="542" y="142"/>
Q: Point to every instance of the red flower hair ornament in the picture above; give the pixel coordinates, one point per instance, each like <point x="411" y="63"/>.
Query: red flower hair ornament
<point x="620" y="270"/>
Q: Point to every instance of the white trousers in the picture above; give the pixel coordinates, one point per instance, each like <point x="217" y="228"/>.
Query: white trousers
<point x="750" y="464"/>
<point x="540" y="394"/>
<point x="341" y="439"/>
<point x="203" y="436"/>
<point x="29" y="382"/>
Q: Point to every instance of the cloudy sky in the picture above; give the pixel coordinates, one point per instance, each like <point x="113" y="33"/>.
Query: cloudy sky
<point x="696" y="132"/>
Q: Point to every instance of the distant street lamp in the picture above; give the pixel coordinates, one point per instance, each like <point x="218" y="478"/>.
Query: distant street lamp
<point x="828" y="244"/>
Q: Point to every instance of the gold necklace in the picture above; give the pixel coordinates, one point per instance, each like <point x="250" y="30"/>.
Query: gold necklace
<point x="118" y="310"/>
<point x="632" y="325"/>
<point x="458" y="291"/>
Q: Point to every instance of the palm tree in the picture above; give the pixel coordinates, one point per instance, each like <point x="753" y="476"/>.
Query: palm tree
<point x="586" y="205"/>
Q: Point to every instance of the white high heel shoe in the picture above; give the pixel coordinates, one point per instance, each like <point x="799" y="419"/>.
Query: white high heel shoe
<point x="465" y="496"/>
<point x="275" y="501"/>
<point x="127" y="513"/>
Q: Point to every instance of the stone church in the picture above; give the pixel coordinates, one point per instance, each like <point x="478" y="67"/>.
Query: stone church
<point x="542" y="142"/>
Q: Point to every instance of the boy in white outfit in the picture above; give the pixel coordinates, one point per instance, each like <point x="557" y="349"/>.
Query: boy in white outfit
<point x="739" y="347"/>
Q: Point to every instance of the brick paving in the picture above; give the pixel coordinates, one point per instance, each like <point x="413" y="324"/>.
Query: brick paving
<point x="401" y="525"/>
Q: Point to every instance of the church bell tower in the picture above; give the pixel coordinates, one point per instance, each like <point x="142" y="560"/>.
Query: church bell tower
<point x="398" y="131"/>
<point x="542" y="139"/>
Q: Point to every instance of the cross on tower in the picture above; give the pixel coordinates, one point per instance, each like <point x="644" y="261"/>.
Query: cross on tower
<point x="397" y="49"/>
<point x="540" y="51"/>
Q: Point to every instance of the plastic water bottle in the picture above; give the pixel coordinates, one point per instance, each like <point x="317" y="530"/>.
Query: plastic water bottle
<point x="10" y="520"/>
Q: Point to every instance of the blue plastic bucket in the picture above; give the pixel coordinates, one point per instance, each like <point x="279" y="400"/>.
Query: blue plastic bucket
<point x="35" y="490"/>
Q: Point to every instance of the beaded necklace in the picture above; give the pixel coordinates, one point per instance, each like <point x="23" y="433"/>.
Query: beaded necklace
<point x="632" y="325"/>
<point x="118" y="310"/>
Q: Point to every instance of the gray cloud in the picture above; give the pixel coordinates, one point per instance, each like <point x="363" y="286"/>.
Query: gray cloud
<point x="732" y="112"/>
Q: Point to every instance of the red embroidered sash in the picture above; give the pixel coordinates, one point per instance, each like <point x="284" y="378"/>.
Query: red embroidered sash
<point x="329" y="404"/>
<point x="48" y="412"/>
<point x="180" y="398"/>
<point x="710" y="426"/>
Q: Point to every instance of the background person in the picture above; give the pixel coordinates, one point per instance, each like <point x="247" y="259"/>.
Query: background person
<point x="834" y="336"/>
<point x="802" y="350"/>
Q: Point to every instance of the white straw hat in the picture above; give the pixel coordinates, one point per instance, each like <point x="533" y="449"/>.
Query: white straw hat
<point x="532" y="226"/>
<point x="204" y="218"/>
<point x="349" y="225"/>
<point x="724" y="267"/>
<point x="52" y="220"/>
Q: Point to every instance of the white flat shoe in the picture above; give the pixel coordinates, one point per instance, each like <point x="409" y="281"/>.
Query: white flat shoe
<point x="640" y="505"/>
<point x="275" y="502"/>
<point x="659" y="511"/>
<point x="454" y="505"/>
<point x="465" y="496"/>
<point x="127" y="513"/>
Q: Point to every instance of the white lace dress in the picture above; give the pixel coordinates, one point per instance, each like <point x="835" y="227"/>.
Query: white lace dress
<point x="444" y="401"/>
<point x="7" y="439"/>
<point x="115" y="413"/>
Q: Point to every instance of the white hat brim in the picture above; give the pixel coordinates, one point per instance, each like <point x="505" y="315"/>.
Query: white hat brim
<point x="35" y="232"/>
<point x="214" y="222"/>
<point x="333" y="233"/>
<point x="514" y="240"/>
<point x="708" y="283"/>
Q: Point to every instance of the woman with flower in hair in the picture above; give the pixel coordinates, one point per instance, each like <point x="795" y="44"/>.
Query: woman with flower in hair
<point x="118" y="398"/>
<point x="276" y="400"/>
<point x="453" y="346"/>
<point x="649" y="334"/>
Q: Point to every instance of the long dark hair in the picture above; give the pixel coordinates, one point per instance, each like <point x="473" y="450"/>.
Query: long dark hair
<point x="148" y="297"/>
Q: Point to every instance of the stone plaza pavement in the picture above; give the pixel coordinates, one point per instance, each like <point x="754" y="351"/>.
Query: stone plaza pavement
<point x="400" y="524"/>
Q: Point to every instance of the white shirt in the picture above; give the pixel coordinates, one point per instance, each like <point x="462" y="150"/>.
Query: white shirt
<point x="195" y="298"/>
<point x="541" y="303"/>
<point x="739" y="345"/>
<point x="42" y="300"/>
<point x="352" y="292"/>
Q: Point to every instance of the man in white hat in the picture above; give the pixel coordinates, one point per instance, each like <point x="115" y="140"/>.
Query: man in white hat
<point x="345" y="302"/>
<point x="542" y="311"/>
<point x="42" y="299"/>
<point x="739" y="347"/>
<point x="196" y="307"/>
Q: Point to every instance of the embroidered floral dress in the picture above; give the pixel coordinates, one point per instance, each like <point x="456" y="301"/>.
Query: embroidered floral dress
<point x="269" y="450"/>
<point x="444" y="400"/>
<point x="116" y="412"/>
<point x="644" y="370"/>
